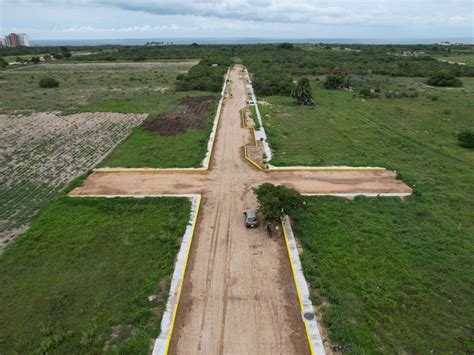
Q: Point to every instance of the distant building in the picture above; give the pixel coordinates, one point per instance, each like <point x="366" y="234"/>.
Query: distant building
<point x="24" y="40"/>
<point x="416" y="54"/>
<point x="17" y="40"/>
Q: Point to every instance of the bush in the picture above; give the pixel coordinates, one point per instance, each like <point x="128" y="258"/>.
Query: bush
<point x="277" y="201"/>
<point x="336" y="81"/>
<point x="303" y="94"/>
<point x="444" y="80"/>
<point x="367" y="93"/>
<point x="3" y="63"/>
<point x="466" y="139"/>
<point x="48" y="83"/>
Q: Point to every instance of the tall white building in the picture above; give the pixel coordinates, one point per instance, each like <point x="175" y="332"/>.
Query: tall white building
<point x="24" y="39"/>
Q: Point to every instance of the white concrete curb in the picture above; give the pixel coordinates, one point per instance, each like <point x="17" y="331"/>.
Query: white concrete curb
<point x="332" y="167"/>
<point x="366" y="194"/>
<point x="167" y="322"/>
<point x="260" y="134"/>
<point x="314" y="336"/>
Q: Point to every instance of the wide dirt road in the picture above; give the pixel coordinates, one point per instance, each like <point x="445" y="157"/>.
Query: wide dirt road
<point x="238" y="295"/>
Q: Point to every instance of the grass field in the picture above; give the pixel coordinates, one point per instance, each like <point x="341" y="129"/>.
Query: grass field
<point x="391" y="276"/>
<point x="466" y="57"/>
<point x="148" y="149"/>
<point x="83" y="84"/>
<point x="79" y="280"/>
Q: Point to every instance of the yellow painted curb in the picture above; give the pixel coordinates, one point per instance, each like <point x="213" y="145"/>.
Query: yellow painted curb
<point x="148" y="170"/>
<point x="322" y="168"/>
<point x="311" y="349"/>
<point x="182" y="277"/>
<point x="250" y="160"/>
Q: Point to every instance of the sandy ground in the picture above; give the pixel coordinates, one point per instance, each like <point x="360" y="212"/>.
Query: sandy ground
<point x="238" y="294"/>
<point x="40" y="152"/>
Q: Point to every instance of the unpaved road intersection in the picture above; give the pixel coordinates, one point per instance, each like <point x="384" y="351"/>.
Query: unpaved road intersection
<point x="238" y="294"/>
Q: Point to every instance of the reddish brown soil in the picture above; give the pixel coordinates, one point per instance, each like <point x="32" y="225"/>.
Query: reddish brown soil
<point x="190" y="112"/>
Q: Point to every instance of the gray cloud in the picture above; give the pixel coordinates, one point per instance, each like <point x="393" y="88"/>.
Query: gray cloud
<point x="342" y="12"/>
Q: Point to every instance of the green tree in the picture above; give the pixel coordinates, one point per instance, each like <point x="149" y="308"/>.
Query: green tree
<point x="303" y="94"/>
<point x="277" y="201"/>
<point x="3" y="63"/>
<point x="35" y="59"/>
<point x="466" y="138"/>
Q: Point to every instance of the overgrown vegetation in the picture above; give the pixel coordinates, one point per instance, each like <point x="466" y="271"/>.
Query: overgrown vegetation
<point x="79" y="280"/>
<point x="206" y="76"/>
<point x="380" y="266"/>
<point x="276" y="201"/>
<point x="444" y="79"/>
<point x="138" y="86"/>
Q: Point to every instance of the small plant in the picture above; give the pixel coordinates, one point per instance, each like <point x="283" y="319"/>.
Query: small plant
<point x="48" y="83"/>
<point x="466" y="139"/>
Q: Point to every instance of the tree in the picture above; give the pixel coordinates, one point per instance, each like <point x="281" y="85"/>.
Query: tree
<point x="67" y="55"/>
<point x="466" y="139"/>
<point x="48" y="83"/>
<point x="3" y="63"/>
<point x="35" y="59"/>
<point x="303" y="94"/>
<point x="277" y="201"/>
<point x="444" y="80"/>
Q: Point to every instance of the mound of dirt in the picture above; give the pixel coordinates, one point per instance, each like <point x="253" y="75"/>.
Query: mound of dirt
<point x="190" y="112"/>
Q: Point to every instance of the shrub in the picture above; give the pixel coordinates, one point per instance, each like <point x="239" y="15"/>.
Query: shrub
<point x="3" y="63"/>
<point x="336" y="81"/>
<point x="303" y="94"/>
<point x="35" y="59"/>
<point x="367" y="93"/>
<point x="466" y="139"/>
<point x="444" y="80"/>
<point x="277" y="201"/>
<point x="48" y="83"/>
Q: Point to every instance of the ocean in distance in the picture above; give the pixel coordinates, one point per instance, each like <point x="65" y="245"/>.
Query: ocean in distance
<point x="142" y="41"/>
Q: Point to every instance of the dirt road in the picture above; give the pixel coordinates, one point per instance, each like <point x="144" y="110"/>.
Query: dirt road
<point x="238" y="294"/>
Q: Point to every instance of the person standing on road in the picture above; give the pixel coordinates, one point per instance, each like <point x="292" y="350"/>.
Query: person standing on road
<point x="269" y="229"/>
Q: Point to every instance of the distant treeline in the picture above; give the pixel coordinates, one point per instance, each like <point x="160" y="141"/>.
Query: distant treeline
<point x="274" y="67"/>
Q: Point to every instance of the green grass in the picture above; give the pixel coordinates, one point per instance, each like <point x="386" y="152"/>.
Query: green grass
<point x="85" y="267"/>
<point x="143" y="148"/>
<point x="81" y="85"/>
<point x="467" y="58"/>
<point x="397" y="275"/>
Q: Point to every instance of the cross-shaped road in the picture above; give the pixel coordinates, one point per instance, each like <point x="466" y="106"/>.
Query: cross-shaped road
<point x="238" y="294"/>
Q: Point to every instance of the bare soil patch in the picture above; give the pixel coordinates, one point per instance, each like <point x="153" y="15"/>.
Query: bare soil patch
<point x="41" y="152"/>
<point x="190" y="112"/>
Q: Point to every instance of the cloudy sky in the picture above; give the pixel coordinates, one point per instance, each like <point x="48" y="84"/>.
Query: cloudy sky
<point x="98" y="19"/>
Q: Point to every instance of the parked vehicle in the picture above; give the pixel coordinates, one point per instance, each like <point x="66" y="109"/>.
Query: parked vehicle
<point x="250" y="216"/>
